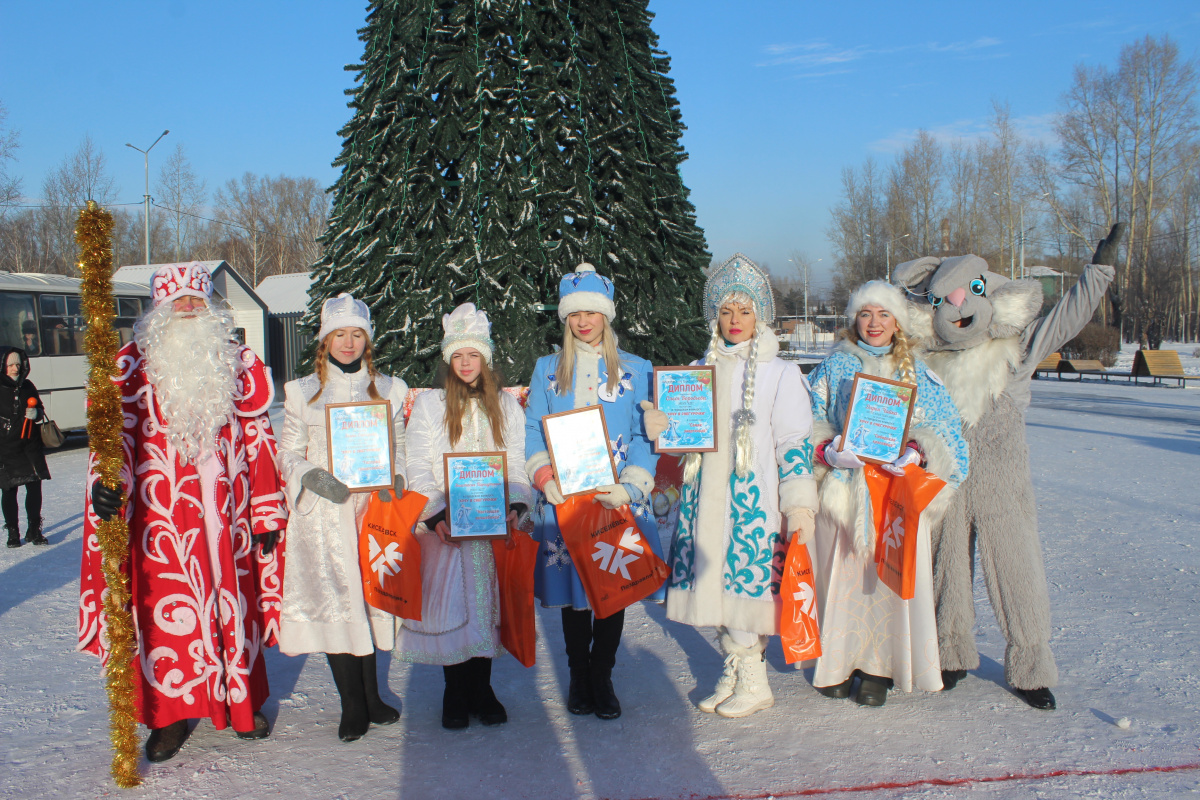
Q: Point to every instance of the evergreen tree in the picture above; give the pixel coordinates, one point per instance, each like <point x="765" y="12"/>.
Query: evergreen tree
<point x="494" y="146"/>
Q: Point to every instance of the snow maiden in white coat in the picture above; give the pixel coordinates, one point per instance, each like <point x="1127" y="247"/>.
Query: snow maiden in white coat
<point x="460" y="608"/>
<point x="729" y="547"/>
<point x="867" y="631"/>
<point x="590" y="370"/>
<point x="324" y="610"/>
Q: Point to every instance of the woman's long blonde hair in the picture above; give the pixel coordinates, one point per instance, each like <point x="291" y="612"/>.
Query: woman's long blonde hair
<point x="321" y="366"/>
<point x="902" y="349"/>
<point x="564" y="373"/>
<point x="459" y="394"/>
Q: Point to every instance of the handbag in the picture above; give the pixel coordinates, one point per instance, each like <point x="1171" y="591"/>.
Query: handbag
<point x="897" y="503"/>
<point x="799" y="631"/>
<point x="389" y="556"/>
<point x="52" y="435"/>
<point x="515" y="562"/>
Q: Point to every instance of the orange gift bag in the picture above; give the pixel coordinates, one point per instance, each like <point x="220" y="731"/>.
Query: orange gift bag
<point x="515" y="561"/>
<point x="389" y="556"/>
<point x="798" y="627"/>
<point x="897" y="503"/>
<point x="615" y="564"/>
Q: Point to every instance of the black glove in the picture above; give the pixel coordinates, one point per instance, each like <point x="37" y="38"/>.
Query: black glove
<point x="267" y="540"/>
<point x="105" y="501"/>
<point x="1106" y="248"/>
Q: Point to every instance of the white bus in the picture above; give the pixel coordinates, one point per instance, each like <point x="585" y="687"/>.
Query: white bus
<point x="40" y="314"/>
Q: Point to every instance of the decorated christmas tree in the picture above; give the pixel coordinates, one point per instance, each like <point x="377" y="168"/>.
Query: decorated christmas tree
<point x="495" y="145"/>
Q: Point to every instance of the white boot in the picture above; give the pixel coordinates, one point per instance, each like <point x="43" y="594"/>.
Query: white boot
<point x="728" y="677"/>
<point x="751" y="692"/>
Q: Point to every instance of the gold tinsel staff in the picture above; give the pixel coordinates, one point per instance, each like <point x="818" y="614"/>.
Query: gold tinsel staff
<point x="94" y="236"/>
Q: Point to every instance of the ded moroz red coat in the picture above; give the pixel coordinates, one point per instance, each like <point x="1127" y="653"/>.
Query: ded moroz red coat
<point x="205" y="603"/>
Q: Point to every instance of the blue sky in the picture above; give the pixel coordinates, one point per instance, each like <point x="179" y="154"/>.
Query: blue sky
<point x="777" y="96"/>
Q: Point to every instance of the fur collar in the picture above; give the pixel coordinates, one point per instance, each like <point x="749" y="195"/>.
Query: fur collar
<point x="977" y="376"/>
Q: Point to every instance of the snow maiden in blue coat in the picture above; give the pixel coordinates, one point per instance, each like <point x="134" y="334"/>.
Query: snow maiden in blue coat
<point x="590" y="370"/>
<point x="729" y="548"/>
<point x="867" y="631"/>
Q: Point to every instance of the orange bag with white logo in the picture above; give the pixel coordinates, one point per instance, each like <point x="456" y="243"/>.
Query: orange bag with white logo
<point x="389" y="556"/>
<point x="897" y="503"/>
<point x="798" y="628"/>
<point x="515" y="561"/>
<point x="615" y="564"/>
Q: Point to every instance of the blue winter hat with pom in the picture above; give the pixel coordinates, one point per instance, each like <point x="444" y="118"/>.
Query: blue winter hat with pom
<point x="585" y="290"/>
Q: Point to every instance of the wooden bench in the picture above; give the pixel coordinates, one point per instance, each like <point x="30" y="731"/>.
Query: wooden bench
<point x="1158" y="364"/>
<point x="1080" y="367"/>
<point x="1047" y="365"/>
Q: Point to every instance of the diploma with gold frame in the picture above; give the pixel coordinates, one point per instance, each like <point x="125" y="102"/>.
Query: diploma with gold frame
<point x="876" y="428"/>
<point x="686" y="396"/>
<point x="359" y="439"/>
<point x="579" y="450"/>
<point x="476" y="495"/>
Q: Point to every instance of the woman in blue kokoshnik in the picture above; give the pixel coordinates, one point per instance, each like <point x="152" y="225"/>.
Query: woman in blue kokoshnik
<point x="867" y="632"/>
<point x="740" y="504"/>
<point x="589" y="370"/>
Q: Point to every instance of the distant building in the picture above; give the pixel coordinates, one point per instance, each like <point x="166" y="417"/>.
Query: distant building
<point x="286" y="297"/>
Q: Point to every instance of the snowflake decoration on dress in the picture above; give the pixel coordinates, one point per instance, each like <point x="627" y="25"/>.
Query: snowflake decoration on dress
<point x="620" y="451"/>
<point x="556" y="554"/>
<point x="552" y="382"/>
<point x="623" y="385"/>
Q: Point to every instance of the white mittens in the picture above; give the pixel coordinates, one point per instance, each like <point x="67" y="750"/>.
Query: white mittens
<point x="909" y="456"/>
<point x="656" y="421"/>
<point x="553" y="494"/>
<point x="802" y="524"/>
<point x="613" y="496"/>
<point x="843" y="459"/>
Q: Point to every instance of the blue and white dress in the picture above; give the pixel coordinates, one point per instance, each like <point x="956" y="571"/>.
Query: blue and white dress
<point x="865" y="625"/>
<point x="556" y="583"/>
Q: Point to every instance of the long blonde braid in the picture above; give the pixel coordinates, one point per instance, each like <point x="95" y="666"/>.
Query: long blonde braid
<point x="905" y="359"/>
<point x="743" y="419"/>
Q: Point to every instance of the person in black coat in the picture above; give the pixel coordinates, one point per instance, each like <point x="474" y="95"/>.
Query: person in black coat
<point x="22" y="456"/>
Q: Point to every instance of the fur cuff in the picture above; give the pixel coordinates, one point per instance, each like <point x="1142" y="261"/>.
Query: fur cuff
<point x="435" y="503"/>
<point x="799" y="492"/>
<point x="519" y="493"/>
<point x="536" y="462"/>
<point x="640" y="478"/>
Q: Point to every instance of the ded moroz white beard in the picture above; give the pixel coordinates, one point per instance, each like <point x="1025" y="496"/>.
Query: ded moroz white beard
<point x="192" y="363"/>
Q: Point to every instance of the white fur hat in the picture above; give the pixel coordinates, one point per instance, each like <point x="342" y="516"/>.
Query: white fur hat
<point x="466" y="326"/>
<point x="585" y="290"/>
<point x="344" y="311"/>
<point x="884" y="295"/>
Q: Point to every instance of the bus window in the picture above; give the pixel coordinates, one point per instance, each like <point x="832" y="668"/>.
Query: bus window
<point x="62" y="325"/>
<point x="18" y="324"/>
<point x="128" y="309"/>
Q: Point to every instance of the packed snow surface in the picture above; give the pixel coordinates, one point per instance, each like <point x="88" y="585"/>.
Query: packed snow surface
<point x="1116" y="471"/>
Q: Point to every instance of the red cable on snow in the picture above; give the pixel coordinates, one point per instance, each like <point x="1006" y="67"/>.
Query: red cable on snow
<point x="873" y="787"/>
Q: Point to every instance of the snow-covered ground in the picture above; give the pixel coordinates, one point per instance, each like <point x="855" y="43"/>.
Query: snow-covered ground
<point x="1116" y="470"/>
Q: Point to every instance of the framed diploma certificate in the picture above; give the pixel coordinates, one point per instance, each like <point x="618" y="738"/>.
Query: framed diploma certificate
<point x="876" y="428"/>
<point x="685" y="395"/>
<point x="359" y="437"/>
<point x="476" y="495"/>
<point x="579" y="450"/>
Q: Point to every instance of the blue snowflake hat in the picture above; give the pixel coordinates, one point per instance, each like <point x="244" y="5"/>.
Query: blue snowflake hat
<point x="585" y="290"/>
<point x="739" y="275"/>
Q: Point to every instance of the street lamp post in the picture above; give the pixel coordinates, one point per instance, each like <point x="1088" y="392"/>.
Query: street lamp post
<point x="1039" y="197"/>
<point x="887" y="254"/>
<point x="146" y="196"/>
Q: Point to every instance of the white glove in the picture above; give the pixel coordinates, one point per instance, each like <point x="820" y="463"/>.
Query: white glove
<point x="613" y="496"/>
<point x="844" y="459"/>
<point x="656" y="421"/>
<point x="802" y="524"/>
<point x="553" y="494"/>
<point x="909" y="456"/>
<point x="32" y="413"/>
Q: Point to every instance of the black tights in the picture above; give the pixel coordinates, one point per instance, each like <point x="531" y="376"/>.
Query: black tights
<point x="591" y="642"/>
<point x="33" y="504"/>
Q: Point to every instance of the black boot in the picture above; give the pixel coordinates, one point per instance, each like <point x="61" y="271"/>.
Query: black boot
<point x="34" y="534"/>
<point x="606" y="637"/>
<point x="165" y="742"/>
<point x="14" y="535"/>
<point x="481" y="700"/>
<point x="1042" y="699"/>
<point x="378" y="711"/>
<point x="455" y="708"/>
<point x="951" y="677"/>
<point x="577" y="631"/>
<point x="348" y="677"/>
<point x="872" y="690"/>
